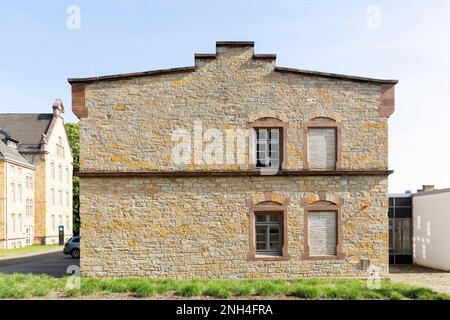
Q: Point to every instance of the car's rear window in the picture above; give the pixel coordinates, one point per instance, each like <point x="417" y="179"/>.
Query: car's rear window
<point x="76" y="240"/>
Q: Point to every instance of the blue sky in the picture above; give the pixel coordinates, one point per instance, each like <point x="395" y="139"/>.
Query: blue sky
<point x="38" y="53"/>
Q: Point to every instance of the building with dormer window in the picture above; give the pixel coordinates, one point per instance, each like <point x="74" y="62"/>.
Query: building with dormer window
<point x="32" y="144"/>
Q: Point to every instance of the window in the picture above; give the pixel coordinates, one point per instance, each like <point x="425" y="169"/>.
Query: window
<point x="19" y="170"/>
<point x="322" y="229"/>
<point x="60" y="198"/>
<point x="11" y="144"/>
<point x="76" y="240"/>
<point x="268" y="230"/>
<point x="60" y="220"/>
<point x="268" y="144"/>
<point x="67" y="175"/>
<point x="322" y="148"/>
<point x="52" y="169"/>
<point x="322" y="144"/>
<point x="268" y="233"/>
<point x="59" y="148"/>
<point x="52" y="194"/>
<point x="29" y="183"/>
<point x="13" y="219"/>
<point x="20" y="222"/>
<point x="67" y="223"/>
<point x="13" y="192"/>
<point x="67" y="199"/>
<point x="53" y="222"/>
<point x="267" y="148"/>
<point x="27" y="210"/>
<point x="60" y="173"/>
<point x="322" y="233"/>
<point x="19" y="192"/>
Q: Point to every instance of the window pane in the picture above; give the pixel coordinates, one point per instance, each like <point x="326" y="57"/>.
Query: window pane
<point x="403" y="202"/>
<point x="261" y="218"/>
<point x="275" y="134"/>
<point x="261" y="238"/>
<point x="262" y="134"/>
<point x="260" y="246"/>
<point x="261" y="230"/>
<point x="275" y="217"/>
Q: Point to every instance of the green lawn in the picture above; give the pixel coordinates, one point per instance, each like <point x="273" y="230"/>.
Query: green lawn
<point x="26" y="286"/>
<point x="4" y="252"/>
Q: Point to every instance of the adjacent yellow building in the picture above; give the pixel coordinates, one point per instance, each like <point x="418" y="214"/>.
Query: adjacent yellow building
<point x="35" y="178"/>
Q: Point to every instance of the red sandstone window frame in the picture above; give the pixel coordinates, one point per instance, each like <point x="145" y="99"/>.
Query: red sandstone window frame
<point x="268" y="206"/>
<point x="323" y="123"/>
<point x="317" y="207"/>
<point x="268" y="123"/>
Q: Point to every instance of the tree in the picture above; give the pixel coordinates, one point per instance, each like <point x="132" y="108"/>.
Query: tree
<point x="73" y="134"/>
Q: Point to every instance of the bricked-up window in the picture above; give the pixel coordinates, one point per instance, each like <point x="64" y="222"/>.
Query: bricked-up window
<point x="323" y="228"/>
<point x="322" y="145"/>
<point x="322" y="233"/>
<point x="268" y="231"/>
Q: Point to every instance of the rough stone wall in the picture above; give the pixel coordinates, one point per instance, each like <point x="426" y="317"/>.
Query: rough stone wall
<point x="199" y="227"/>
<point x="130" y="122"/>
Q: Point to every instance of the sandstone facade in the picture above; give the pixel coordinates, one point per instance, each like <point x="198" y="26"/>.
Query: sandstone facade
<point x="42" y="155"/>
<point x="144" y="215"/>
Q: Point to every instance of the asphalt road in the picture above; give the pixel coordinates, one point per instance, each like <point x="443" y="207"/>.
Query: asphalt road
<point x="54" y="264"/>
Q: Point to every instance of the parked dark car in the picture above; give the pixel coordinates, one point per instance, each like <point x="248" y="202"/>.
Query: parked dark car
<point x="72" y="247"/>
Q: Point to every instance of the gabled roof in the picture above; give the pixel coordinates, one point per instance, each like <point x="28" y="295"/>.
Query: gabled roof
<point x="27" y="128"/>
<point x="214" y="56"/>
<point x="9" y="153"/>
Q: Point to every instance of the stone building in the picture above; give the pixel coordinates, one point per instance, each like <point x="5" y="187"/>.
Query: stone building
<point x="171" y="187"/>
<point x="35" y="178"/>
